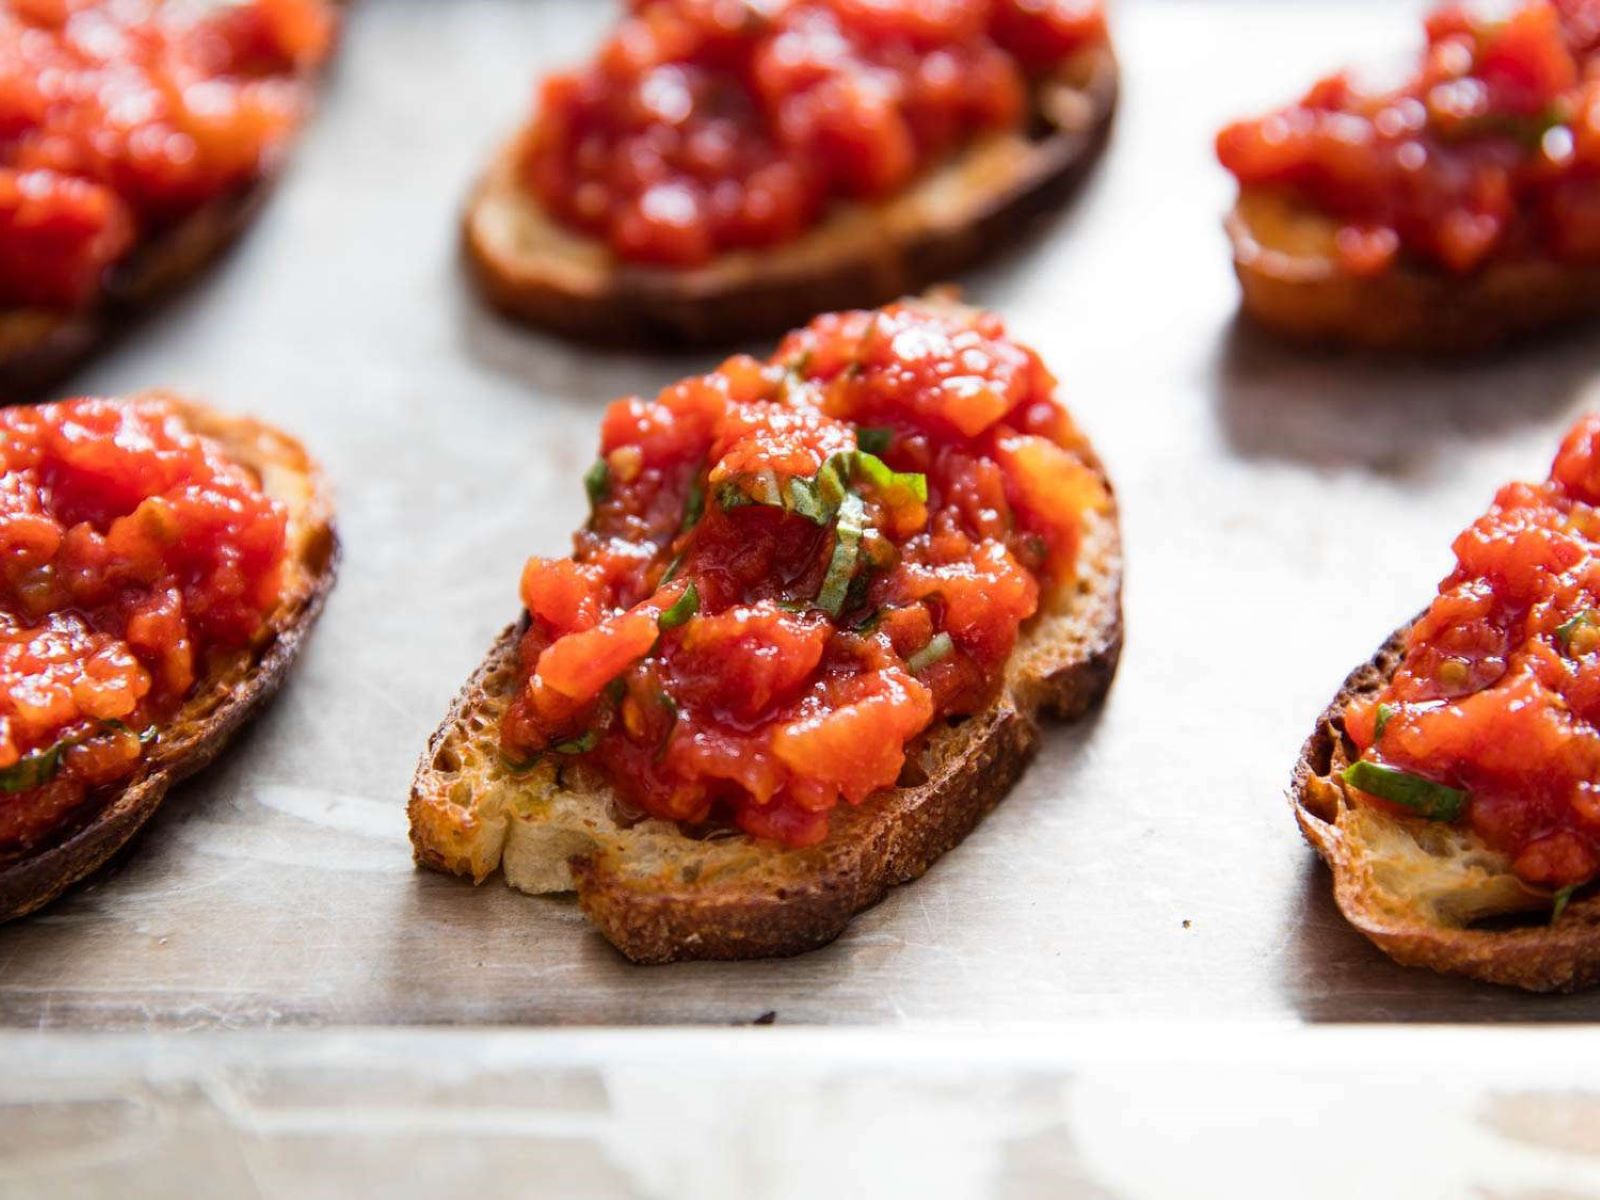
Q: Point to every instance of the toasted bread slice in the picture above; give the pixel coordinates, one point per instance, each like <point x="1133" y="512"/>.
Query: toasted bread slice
<point x="662" y="896"/>
<point x="235" y="690"/>
<point x="40" y="347"/>
<point x="1284" y="254"/>
<point x="1429" y="894"/>
<point x="535" y="269"/>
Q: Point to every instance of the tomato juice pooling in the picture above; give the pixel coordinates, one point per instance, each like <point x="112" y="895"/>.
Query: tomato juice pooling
<point x="1493" y="719"/>
<point x="132" y="555"/>
<point x="118" y="118"/>
<point x="707" y="125"/>
<point x="794" y="567"/>
<point x="1490" y="151"/>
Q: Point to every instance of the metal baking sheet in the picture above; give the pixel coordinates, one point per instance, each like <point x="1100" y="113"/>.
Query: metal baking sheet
<point x="1282" y="512"/>
<point x="1153" y="1114"/>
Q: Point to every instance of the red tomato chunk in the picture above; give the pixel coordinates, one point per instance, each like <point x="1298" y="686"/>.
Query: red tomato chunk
<point x="1490" y="151"/>
<point x="1499" y="694"/>
<point x="118" y="119"/>
<point x="794" y="567"/>
<point x="706" y="125"/>
<point x="131" y="555"/>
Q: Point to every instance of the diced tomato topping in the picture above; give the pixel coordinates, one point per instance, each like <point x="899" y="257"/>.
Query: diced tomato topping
<point x="709" y="125"/>
<point x="1490" y="151"/>
<point x="1499" y="692"/>
<point x="794" y="568"/>
<point x="119" y="119"/>
<point x="132" y="554"/>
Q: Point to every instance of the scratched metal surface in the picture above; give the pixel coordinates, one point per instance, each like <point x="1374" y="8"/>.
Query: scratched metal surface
<point x="1435" y="1114"/>
<point x="1282" y="514"/>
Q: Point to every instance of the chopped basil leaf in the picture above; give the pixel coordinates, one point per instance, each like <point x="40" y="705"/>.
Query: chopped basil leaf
<point x="1428" y="799"/>
<point x="1562" y="899"/>
<point x="694" y="507"/>
<point x="879" y="473"/>
<point x="519" y="766"/>
<point x="671" y="705"/>
<point x="937" y="650"/>
<point x="597" y="481"/>
<point x="1385" y="715"/>
<point x="146" y="735"/>
<point x="579" y="745"/>
<point x="869" y="623"/>
<point x="33" y="770"/>
<point x="817" y="499"/>
<point x="682" y="609"/>
<point x="1566" y="630"/>
<point x="672" y="570"/>
<point x="846" y="545"/>
<point x="40" y="767"/>
<point x="874" y="439"/>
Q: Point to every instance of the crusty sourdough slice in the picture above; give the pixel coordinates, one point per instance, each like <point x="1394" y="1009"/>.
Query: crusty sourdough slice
<point x="1285" y="257"/>
<point x="536" y="270"/>
<point x="40" y="347"/>
<point x="232" y="692"/>
<point x="1429" y="894"/>
<point x="661" y="896"/>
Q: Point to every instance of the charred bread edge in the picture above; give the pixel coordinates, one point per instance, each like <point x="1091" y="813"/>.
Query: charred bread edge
<point x="1542" y="958"/>
<point x="662" y="308"/>
<point x="1310" y="300"/>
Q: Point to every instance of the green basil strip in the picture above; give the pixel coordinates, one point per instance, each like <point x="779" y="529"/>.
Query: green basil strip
<point x="1428" y="799"/>
<point x="817" y="499"/>
<point x="520" y="766"/>
<point x="694" y="507"/>
<point x="937" y="650"/>
<point x="874" y="439"/>
<point x="880" y="474"/>
<point x="869" y="623"/>
<point x="33" y="770"/>
<point x="846" y="548"/>
<point x="579" y="745"/>
<point x="671" y="705"/>
<point x="682" y="609"/>
<point x="1566" y="629"/>
<point x="1386" y="714"/>
<point x="1562" y="899"/>
<point x="597" y="481"/>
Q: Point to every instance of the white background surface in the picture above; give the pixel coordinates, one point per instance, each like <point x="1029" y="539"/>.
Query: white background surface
<point x="1282" y="514"/>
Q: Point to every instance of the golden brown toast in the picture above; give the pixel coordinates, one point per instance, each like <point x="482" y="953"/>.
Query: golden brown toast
<point x="660" y="895"/>
<point x="536" y="270"/>
<point x="40" y="347"/>
<point x="1430" y="894"/>
<point x="1285" y="257"/>
<point x="235" y="690"/>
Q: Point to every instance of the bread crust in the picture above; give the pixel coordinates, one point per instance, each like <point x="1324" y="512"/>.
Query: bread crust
<point x="230" y="697"/>
<point x="1293" y="285"/>
<point x="662" y="896"/>
<point x="534" y="270"/>
<point x="1540" y="956"/>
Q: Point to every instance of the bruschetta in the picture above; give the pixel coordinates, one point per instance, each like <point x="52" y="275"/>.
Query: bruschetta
<point x="1449" y="214"/>
<point x="706" y="180"/>
<point x="1453" y="785"/>
<point x="801" y="647"/>
<point x="161" y="565"/>
<point x="138" y="140"/>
